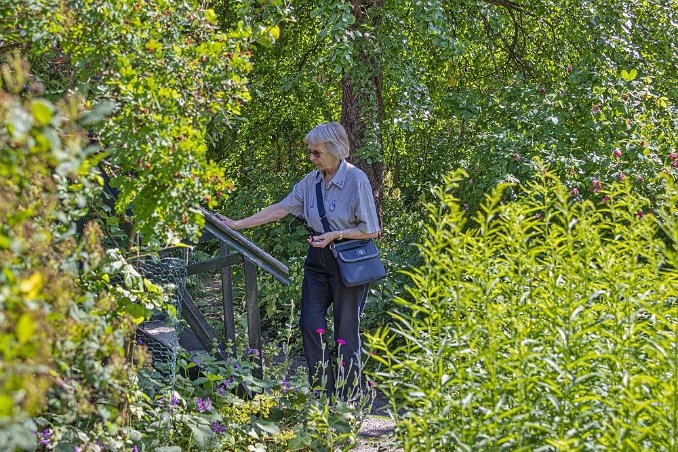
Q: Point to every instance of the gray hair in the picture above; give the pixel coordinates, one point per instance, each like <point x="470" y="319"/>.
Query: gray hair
<point x="332" y="136"/>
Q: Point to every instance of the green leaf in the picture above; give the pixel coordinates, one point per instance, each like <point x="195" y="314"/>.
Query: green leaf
<point x="98" y="113"/>
<point x="268" y="427"/>
<point x="629" y="76"/>
<point x="43" y="111"/>
<point x="137" y="312"/>
<point x="211" y="16"/>
<point x="202" y="434"/>
<point x="6" y="405"/>
<point x="25" y="328"/>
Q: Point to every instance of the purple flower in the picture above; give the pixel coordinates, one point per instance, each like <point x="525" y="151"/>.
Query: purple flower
<point x="139" y="341"/>
<point x="216" y="428"/>
<point x="253" y="350"/>
<point x="640" y="214"/>
<point x="616" y="153"/>
<point x="284" y="386"/>
<point x="575" y="191"/>
<point x="621" y="176"/>
<point x="222" y="390"/>
<point x="174" y="401"/>
<point x="466" y="206"/>
<point x="204" y="405"/>
<point x="605" y="199"/>
<point x="341" y="342"/>
<point x="77" y="449"/>
<point x="135" y="448"/>
<point x="320" y="331"/>
<point x="44" y="436"/>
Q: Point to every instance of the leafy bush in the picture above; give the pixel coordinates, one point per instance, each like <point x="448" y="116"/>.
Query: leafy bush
<point x="545" y="323"/>
<point x="64" y="346"/>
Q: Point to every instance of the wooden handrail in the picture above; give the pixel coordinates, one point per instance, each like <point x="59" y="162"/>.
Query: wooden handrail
<point x="244" y="246"/>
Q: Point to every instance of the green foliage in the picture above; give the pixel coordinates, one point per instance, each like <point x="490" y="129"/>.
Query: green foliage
<point x="64" y="350"/>
<point x="545" y="323"/>
<point x="164" y="71"/>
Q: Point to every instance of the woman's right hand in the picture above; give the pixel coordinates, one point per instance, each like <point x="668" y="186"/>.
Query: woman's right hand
<point x="227" y="221"/>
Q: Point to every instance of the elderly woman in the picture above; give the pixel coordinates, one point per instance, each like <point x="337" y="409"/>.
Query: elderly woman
<point x="350" y="209"/>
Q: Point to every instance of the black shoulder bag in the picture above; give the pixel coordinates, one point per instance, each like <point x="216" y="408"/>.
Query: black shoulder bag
<point x="358" y="260"/>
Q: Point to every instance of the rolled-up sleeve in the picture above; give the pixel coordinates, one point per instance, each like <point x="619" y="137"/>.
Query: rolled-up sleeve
<point x="365" y="210"/>
<point x="294" y="202"/>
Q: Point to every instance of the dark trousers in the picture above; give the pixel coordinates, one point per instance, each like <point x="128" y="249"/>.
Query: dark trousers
<point x="322" y="288"/>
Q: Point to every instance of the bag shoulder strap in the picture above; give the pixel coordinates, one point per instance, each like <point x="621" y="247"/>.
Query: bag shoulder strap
<point x="321" y="207"/>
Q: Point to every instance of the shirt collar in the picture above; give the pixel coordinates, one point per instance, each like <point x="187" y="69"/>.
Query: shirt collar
<point x="340" y="178"/>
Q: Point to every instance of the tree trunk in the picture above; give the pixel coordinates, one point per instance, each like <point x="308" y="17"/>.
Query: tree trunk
<point x="361" y="103"/>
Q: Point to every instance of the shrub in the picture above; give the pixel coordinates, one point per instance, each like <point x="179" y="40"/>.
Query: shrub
<point x="545" y="323"/>
<point x="64" y="347"/>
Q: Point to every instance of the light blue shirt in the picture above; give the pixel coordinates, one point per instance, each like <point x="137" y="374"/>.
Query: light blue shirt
<point x="349" y="202"/>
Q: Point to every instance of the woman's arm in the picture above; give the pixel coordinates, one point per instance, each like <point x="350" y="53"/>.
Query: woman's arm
<point x="266" y="215"/>
<point x="321" y="241"/>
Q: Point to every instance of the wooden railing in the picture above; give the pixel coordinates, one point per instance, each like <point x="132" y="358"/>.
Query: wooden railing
<point x="234" y="249"/>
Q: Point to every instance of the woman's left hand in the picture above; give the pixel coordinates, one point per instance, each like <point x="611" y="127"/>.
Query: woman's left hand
<point x="321" y="241"/>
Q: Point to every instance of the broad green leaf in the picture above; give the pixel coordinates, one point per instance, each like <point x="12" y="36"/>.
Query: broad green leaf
<point x="629" y="76"/>
<point x="43" y="111"/>
<point x="25" y="328"/>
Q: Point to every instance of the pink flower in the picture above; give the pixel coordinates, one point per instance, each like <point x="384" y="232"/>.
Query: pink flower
<point x="373" y="383"/>
<point x="621" y="176"/>
<point x="675" y="163"/>
<point x="320" y="331"/>
<point x="341" y="342"/>
<point x="517" y="157"/>
<point x="575" y="191"/>
<point x="640" y="214"/>
<point x="617" y="153"/>
<point x="597" y="184"/>
<point x="537" y="216"/>
<point x="595" y="109"/>
<point x="605" y="199"/>
<point x="673" y="156"/>
<point x="640" y="178"/>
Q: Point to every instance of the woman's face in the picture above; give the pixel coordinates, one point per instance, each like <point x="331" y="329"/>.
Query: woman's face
<point x="322" y="158"/>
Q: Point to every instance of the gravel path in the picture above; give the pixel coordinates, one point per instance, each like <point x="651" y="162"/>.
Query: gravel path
<point x="374" y="435"/>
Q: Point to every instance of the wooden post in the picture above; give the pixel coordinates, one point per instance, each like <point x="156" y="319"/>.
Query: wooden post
<point x="227" y="298"/>
<point x="252" y="304"/>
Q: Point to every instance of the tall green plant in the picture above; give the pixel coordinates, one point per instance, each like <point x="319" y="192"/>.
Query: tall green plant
<point x="547" y="322"/>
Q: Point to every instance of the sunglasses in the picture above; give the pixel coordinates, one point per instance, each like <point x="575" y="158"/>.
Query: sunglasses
<point x="315" y="154"/>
